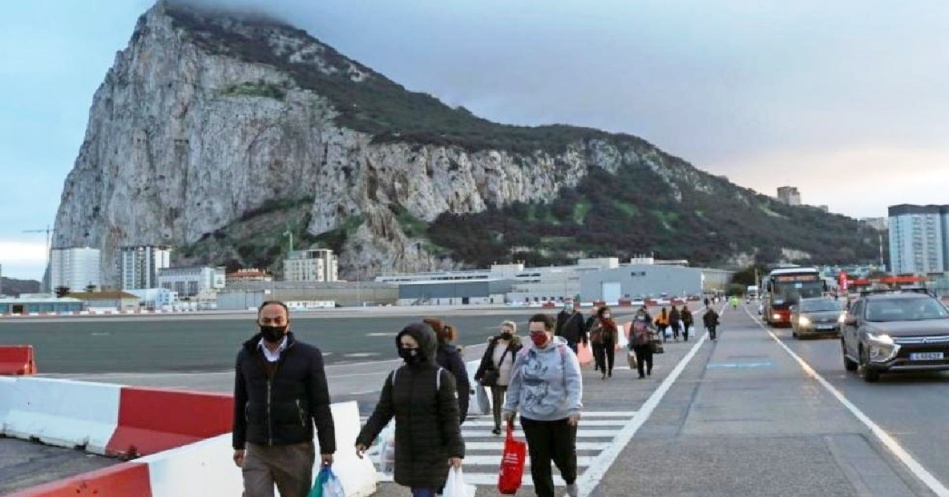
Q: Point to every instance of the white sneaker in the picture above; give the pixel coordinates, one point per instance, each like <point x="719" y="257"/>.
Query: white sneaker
<point x="572" y="489"/>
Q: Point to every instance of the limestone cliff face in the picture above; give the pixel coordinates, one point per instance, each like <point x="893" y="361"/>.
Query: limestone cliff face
<point x="182" y="141"/>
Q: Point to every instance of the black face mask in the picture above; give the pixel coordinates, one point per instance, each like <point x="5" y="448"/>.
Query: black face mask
<point x="273" y="334"/>
<point x="506" y="335"/>
<point x="410" y="356"/>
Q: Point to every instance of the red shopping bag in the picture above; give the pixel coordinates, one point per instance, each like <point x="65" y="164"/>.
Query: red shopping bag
<point x="512" y="463"/>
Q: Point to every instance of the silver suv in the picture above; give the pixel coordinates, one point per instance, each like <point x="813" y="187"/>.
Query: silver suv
<point x="895" y="331"/>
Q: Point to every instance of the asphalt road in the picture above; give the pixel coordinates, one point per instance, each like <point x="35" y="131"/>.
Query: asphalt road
<point x="912" y="407"/>
<point x="209" y="343"/>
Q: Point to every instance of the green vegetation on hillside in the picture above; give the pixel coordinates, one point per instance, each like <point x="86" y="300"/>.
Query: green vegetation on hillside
<point x="377" y="105"/>
<point x="642" y="216"/>
<point x="258" y="89"/>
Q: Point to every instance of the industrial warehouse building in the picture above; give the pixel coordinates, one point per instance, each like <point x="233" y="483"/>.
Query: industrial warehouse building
<point x="641" y="281"/>
<point x="40" y="305"/>
<point x="463" y="292"/>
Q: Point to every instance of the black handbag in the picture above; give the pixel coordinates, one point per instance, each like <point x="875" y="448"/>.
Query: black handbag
<point x="491" y="375"/>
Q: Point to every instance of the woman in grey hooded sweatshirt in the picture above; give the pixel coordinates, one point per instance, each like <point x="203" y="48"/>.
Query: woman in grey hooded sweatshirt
<point x="547" y="388"/>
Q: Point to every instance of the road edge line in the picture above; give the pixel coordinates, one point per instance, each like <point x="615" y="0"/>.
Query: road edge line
<point x="885" y="438"/>
<point x="598" y="467"/>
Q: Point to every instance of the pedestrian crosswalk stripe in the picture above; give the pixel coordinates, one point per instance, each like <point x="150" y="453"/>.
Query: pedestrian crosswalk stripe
<point x="586" y="421"/>
<point x="581" y="433"/>
<point x="499" y="443"/>
<point x="483" y="448"/>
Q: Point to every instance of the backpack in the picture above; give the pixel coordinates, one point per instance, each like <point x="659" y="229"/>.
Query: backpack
<point x="438" y="377"/>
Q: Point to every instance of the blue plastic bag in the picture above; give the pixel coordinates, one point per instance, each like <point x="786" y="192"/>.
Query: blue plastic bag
<point x="326" y="484"/>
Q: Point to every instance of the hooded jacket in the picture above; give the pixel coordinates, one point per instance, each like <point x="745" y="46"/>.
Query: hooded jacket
<point x="422" y="398"/>
<point x="281" y="409"/>
<point x="546" y="384"/>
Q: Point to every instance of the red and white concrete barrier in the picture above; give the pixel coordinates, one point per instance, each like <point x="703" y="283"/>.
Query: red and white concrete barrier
<point x="184" y="437"/>
<point x="17" y="360"/>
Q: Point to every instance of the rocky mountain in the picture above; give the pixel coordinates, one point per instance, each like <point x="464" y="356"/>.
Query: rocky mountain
<point x="227" y="136"/>
<point x="15" y="287"/>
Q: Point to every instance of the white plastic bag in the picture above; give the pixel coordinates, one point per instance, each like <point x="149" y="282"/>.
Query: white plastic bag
<point x="484" y="402"/>
<point x="456" y="486"/>
<point x="385" y="462"/>
<point x="332" y="486"/>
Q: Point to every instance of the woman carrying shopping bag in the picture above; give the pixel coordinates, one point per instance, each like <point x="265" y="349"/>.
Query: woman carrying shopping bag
<point x="422" y="398"/>
<point x="547" y="388"/>
<point x="640" y="338"/>
<point x="604" y="337"/>
<point x="494" y="372"/>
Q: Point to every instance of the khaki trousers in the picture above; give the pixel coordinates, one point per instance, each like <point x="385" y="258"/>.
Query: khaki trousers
<point x="290" y="467"/>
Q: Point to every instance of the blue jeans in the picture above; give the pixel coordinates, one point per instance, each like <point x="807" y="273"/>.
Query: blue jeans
<point x="423" y="492"/>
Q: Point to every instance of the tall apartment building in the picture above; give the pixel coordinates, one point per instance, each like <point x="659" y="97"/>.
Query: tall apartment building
<point x="75" y="268"/>
<point x="310" y="265"/>
<point x="139" y="265"/>
<point x="789" y="195"/>
<point x="919" y="238"/>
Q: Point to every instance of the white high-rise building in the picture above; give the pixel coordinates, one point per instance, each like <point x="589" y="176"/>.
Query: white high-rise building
<point x="310" y="265"/>
<point x="138" y="266"/>
<point x="919" y="238"/>
<point x="192" y="281"/>
<point x="75" y="268"/>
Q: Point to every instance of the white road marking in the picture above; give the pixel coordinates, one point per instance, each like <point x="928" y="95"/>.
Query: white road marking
<point x="885" y="438"/>
<point x="590" y="478"/>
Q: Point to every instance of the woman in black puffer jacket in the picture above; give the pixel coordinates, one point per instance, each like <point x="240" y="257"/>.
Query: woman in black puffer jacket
<point x="421" y="396"/>
<point x="448" y="356"/>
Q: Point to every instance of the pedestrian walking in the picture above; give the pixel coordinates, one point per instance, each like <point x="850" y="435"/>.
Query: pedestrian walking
<point x="280" y="391"/>
<point x="675" y="322"/>
<point x="448" y="356"/>
<point x="547" y="389"/>
<point x="640" y="341"/>
<point x="421" y="396"/>
<point x="571" y="325"/>
<point x="604" y="336"/>
<point x="687" y="321"/>
<point x="662" y="322"/>
<point x="710" y="320"/>
<point x="494" y="372"/>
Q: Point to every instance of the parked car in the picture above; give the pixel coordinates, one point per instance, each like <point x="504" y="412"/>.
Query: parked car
<point x="891" y="332"/>
<point x="815" y="316"/>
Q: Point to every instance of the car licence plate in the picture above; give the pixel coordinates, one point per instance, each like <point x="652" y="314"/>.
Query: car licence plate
<point x="926" y="356"/>
<point x="826" y="326"/>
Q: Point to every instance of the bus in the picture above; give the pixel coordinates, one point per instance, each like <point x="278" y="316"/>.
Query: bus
<point x="785" y="287"/>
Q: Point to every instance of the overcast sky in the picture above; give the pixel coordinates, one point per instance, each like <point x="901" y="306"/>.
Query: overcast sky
<point x="847" y="100"/>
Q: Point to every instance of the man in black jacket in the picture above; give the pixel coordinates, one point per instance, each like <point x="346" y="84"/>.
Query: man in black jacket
<point x="279" y="392"/>
<point x="571" y="326"/>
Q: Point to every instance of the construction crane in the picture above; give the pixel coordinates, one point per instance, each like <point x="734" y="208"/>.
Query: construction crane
<point x="49" y="231"/>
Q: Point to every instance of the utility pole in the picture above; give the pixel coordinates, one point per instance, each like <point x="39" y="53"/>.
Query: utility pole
<point x="48" y="232"/>
<point x="880" y="235"/>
